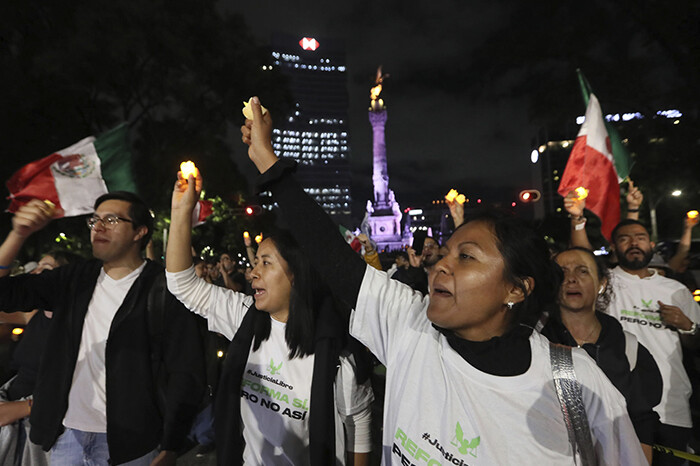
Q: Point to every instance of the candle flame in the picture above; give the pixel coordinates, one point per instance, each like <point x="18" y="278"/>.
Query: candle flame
<point x="259" y="238"/>
<point x="17" y="331"/>
<point x="581" y="192"/>
<point x="188" y="168"/>
<point x="454" y="196"/>
<point x="248" y="109"/>
<point x="692" y="214"/>
<point x="246" y="235"/>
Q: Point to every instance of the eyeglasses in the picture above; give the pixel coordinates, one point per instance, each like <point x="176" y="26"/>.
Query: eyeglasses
<point x="108" y="222"/>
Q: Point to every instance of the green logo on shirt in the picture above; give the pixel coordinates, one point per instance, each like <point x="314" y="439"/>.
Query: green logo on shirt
<point x="647" y="304"/>
<point x="465" y="446"/>
<point x="274" y="370"/>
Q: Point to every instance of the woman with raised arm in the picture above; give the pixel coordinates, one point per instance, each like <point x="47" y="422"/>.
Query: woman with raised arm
<point x="468" y="381"/>
<point x="580" y="320"/>
<point x="281" y="398"/>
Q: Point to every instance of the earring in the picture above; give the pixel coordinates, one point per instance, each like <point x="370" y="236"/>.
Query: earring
<point x="600" y="291"/>
<point x="510" y="305"/>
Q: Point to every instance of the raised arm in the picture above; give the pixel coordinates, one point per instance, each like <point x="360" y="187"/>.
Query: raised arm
<point x="574" y="206"/>
<point x="30" y="218"/>
<point x="185" y="195"/>
<point x="340" y="266"/>
<point x="371" y="256"/>
<point x="675" y="263"/>
<point x="634" y="200"/>
<point x="457" y="212"/>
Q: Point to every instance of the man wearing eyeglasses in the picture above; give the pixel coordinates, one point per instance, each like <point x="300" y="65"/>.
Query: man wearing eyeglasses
<point x="116" y="333"/>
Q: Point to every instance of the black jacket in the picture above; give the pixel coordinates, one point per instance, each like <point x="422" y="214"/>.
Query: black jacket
<point x="135" y="424"/>
<point x="642" y="387"/>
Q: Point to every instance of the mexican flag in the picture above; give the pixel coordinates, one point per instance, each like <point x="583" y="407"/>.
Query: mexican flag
<point x="350" y="238"/>
<point x="202" y="210"/>
<point x="74" y="177"/>
<point x="594" y="165"/>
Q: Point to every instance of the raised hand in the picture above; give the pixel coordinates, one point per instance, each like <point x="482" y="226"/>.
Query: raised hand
<point x="33" y="216"/>
<point x="186" y="193"/>
<point x="457" y="212"/>
<point x="413" y="258"/>
<point x="573" y="205"/>
<point x="634" y="196"/>
<point x="257" y="134"/>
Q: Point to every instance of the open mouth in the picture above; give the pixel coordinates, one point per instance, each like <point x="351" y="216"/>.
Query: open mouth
<point x="573" y="294"/>
<point x="441" y="292"/>
<point x="259" y="292"/>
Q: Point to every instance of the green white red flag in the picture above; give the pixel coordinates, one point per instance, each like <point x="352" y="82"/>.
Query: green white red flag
<point x="591" y="165"/>
<point x="350" y="238"/>
<point x="74" y="177"/>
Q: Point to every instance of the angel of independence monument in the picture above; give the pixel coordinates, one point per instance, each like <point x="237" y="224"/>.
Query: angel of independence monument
<point x="384" y="213"/>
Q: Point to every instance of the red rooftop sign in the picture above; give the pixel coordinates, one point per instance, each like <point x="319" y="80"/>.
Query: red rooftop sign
<point x="309" y="43"/>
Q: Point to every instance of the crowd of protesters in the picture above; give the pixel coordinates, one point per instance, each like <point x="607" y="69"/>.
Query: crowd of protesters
<point x="496" y="349"/>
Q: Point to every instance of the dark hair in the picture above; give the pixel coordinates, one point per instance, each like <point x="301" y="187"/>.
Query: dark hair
<point x="402" y="254"/>
<point x="138" y="211"/>
<point x="603" y="273"/>
<point x="624" y="223"/>
<point x="525" y="254"/>
<point x="303" y="300"/>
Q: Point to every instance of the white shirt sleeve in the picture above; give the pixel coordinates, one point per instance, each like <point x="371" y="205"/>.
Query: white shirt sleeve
<point x="354" y="404"/>
<point x="386" y="309"/>
<point x="223" y="308"/>
<point x="684" y="300"/>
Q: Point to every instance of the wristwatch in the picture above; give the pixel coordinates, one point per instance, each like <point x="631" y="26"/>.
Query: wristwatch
<point x="693" y="330"/>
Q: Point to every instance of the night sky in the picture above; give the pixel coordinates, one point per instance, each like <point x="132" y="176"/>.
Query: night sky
<point x="437" y="136"/>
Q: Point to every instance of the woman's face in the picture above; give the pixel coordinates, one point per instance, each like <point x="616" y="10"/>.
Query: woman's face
<point x="579" y="290"/>
<point x="272" y="281"/>
<point x="468" y="291"/>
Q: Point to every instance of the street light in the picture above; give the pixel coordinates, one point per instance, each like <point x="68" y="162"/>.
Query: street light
<point x="676" y="192"/>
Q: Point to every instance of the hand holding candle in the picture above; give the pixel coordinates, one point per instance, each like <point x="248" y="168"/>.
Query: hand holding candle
<point x="185" y="196"/>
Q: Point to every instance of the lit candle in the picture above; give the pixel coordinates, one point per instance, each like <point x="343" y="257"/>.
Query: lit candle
<point x="248" y="109"/>
<point x="246" y="235"/>
<point x="692" y="214"/>
<point x="188" y="168"/>
<point x="581" y="192"/>
<point x="451" y="195"/>
<point x="259" y="238"/>
<point x="461" y="198"/>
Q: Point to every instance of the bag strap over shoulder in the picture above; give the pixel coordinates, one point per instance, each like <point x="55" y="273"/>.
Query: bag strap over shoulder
<point x="570" y="396"/>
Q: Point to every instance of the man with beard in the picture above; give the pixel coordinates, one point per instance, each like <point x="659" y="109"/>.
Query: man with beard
<point x="661" y="312"/>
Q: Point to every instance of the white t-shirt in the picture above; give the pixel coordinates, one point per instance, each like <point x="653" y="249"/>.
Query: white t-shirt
<point x="87" y="399"/>
<point x="441" y="410"/>
<point x="276" y="390"/>
<point x="635" y="305"/>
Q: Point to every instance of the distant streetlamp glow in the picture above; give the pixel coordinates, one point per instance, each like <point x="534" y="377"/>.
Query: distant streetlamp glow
<point x="676" y="193"/>
<point x="534" y="156"/>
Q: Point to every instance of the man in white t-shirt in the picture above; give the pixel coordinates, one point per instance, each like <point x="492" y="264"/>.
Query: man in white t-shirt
<point x="117" y="334"/>
<point x="662" y="313"/>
